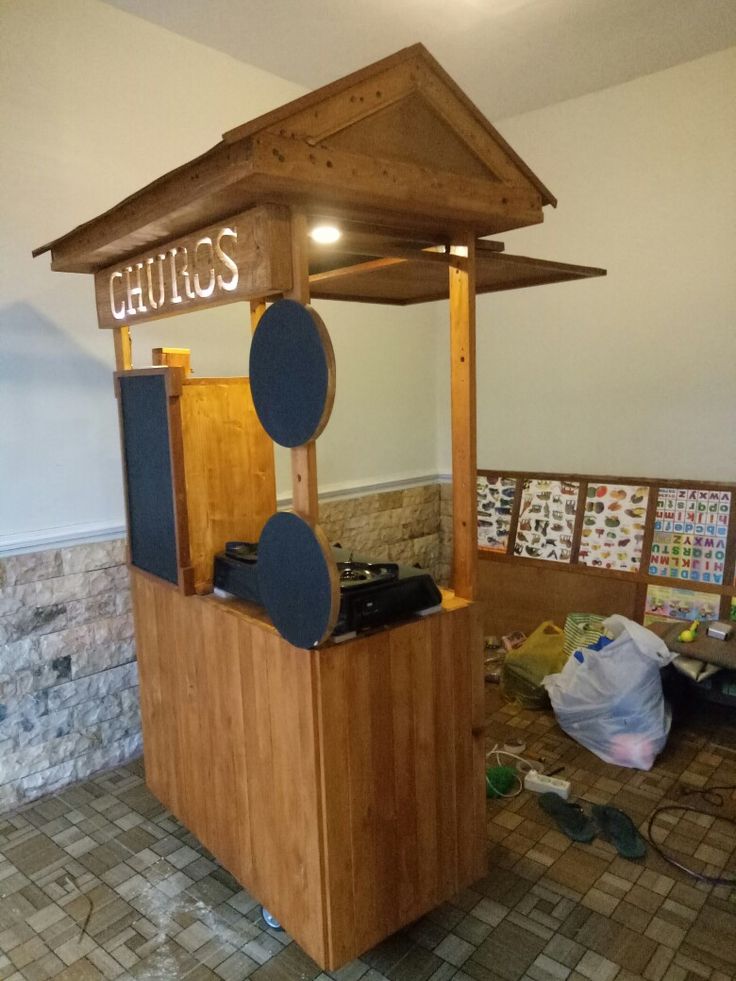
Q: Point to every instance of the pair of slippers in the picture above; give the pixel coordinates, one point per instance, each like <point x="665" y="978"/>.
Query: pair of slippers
<point x="608" y="822"/>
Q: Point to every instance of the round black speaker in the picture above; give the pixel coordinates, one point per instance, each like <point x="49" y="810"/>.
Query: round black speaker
<point x="298" y="580"/>
<point x="292" y="373"/>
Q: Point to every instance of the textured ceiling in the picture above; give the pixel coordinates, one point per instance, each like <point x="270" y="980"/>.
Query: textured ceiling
<point x="510" y="56"/>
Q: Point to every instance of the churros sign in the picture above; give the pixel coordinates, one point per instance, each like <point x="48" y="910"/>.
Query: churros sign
<point x="218" y="264"/>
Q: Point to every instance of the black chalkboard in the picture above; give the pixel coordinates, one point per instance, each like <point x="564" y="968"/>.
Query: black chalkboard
<point x="147" y="459"/>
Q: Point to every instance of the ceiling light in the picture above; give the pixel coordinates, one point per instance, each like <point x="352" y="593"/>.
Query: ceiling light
<point x="325" y="234"/>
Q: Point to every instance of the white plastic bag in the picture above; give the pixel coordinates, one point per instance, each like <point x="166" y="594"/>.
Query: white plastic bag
<point x="611" y="700"/>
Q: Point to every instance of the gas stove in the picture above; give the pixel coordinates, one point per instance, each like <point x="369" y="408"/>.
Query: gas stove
<point x="372" y="594"/>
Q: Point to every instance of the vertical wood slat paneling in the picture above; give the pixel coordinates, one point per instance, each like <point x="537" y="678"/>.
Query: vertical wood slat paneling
<point x="338" y="785"/>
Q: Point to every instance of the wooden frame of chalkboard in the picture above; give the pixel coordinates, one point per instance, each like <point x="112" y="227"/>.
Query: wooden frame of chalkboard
<point x="155" y="499"/>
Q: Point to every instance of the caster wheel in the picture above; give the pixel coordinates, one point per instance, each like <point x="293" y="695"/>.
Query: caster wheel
<point x="271" y="920"/>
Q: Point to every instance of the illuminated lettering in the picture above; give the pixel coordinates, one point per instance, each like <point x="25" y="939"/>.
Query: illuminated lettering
<point x="210" y="288"/>
<point x="117" y="312"/>
<point x="159" y="260"/>
<point x="175" y="298"/>
<point x="227" y="260"/>
<point x="185" y="273"/>
<point x="199" y="268"/>
<point x="134" y="292"/>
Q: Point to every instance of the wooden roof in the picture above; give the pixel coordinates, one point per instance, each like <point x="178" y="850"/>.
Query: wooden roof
<point x="420" y="277"/>
<point x="396" y="144"/>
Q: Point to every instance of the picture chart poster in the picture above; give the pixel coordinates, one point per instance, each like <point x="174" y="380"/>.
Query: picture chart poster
<point x="546" y="519"/>
<point x="690" y="533"/>
<point x="495" y="503"/>
<point x="613" y="526"/>
<point x="665" y="602"/>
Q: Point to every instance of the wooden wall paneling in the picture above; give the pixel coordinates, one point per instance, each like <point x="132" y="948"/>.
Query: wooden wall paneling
<point x="230" y="746"/>
<point x="342" y="786"/>
<point x="520" y="595"/>
<point x="463" y="410"/>
<point x="296" y="831"/>
<point x="445" y="763"/>
<point x="186" y="660"/>
<point x="428" y="731"/>
<point x="228" y="468"/>
<point x="405" y="643"/>
<point x="259" y="760"/>
<point x="226" y="723"/>
<point x="401" y="775"/>
<point x="335" y="713"/>
<point x="372" y="788"/>
<point x="162" y="762"/>
<point x="458" y="638"/>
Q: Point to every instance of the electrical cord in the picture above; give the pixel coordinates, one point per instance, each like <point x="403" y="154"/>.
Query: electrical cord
<point x="498" y="753"/>
<point x="711" y="796"/>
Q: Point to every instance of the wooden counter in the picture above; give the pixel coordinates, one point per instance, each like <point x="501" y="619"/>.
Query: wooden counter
<point x="342" y="786"/>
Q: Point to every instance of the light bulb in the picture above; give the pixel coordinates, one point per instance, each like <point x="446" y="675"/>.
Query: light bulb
<point x="325" y="234"/>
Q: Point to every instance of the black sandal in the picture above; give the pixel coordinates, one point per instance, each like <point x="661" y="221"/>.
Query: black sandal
<point x="570" y="818"/>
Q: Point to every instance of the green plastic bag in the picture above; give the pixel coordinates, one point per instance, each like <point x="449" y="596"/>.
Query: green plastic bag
<point x="542" y="653"/>
<point x="582" y="630"/>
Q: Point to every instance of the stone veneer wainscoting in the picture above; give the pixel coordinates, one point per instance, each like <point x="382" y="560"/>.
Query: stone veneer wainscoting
<point x="68" y="678"/>
<point x="395" y="525"/>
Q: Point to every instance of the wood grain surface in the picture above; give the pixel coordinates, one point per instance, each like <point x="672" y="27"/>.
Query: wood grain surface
<point x="343" y="787"/>
<point x="228" y="469"/>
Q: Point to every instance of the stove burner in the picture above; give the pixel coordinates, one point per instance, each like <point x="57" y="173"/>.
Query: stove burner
<point x="358" y="573"/>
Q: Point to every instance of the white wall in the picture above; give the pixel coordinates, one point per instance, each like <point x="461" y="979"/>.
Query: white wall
<point x="94" y="104"/>
<point x="631" y="374"/>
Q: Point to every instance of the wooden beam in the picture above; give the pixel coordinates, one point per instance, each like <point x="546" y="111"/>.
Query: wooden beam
<point x="360" y="267"/>
<point x="303" y="458"/>
<point x="281" y="166"/>
<point x="463" y="388"/>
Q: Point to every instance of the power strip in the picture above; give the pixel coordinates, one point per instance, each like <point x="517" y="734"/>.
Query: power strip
<point x="539" y="784"/>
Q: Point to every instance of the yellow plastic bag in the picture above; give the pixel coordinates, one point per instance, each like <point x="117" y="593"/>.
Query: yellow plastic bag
<point x="542" y="653"/>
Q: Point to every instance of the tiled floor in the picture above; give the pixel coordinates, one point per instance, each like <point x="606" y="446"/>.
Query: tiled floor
<point x="549" y="909"/>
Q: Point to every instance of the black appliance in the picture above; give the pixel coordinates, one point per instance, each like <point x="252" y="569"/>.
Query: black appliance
<point x="372" y="594"/>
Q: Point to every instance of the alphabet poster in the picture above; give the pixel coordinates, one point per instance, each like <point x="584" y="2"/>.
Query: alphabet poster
<point x="547" y="520"/>
<point x="690" y="532"/>
<point x="495" y="502"/>
<point x="613" y="526"/>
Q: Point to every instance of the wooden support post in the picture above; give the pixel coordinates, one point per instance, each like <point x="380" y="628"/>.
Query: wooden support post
<point x="257" y="309"/>
<point x="462" y="368"/>
<point x="123" y="348"/>
<point x="174" y="357"/>
<point x="303" y="458"/>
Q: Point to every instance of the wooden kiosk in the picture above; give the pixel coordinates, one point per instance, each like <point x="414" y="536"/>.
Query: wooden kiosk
<point x="342" y="785"/>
